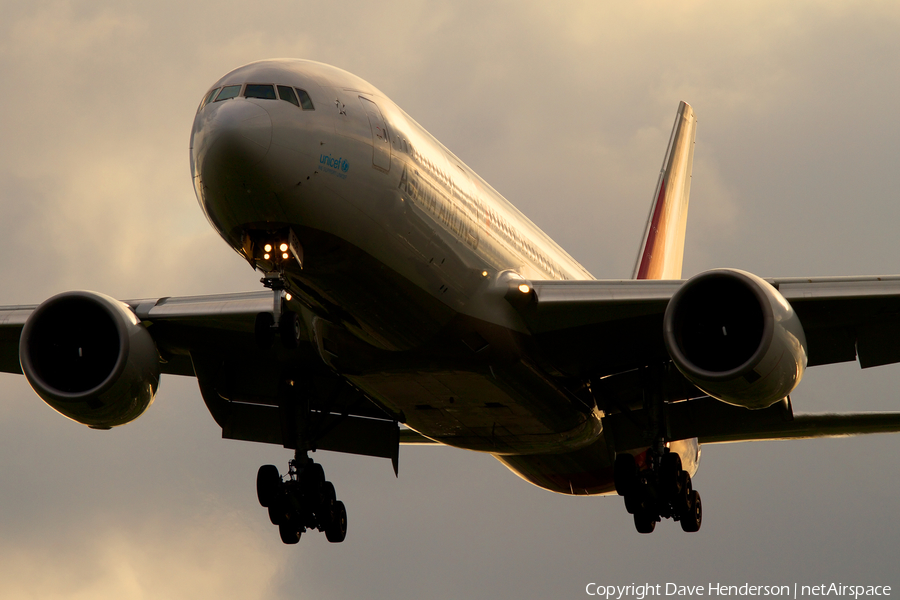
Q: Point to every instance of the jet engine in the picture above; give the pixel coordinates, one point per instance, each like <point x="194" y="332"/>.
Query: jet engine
<point x="736" y="338"/>
<point x="88" y="357"/>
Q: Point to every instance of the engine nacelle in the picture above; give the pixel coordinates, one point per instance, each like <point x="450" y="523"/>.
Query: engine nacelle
<point x="88" y="357"/>
<point x="736" y="338"/>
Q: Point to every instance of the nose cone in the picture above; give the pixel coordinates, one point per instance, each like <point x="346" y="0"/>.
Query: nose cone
<point x="230" y="142"/>
<point x="229" y="136"/>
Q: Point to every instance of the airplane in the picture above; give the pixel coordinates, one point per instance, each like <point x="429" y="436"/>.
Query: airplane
<point x="406" y="302"/>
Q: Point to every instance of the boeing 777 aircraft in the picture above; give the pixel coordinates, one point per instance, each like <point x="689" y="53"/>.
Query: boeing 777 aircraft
<point x="405" y="301"/>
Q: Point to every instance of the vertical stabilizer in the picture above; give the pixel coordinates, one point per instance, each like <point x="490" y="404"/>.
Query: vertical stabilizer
<point x="662" y="249"/>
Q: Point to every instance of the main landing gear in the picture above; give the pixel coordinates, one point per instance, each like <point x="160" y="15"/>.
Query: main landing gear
<point x="302" y="500"/>
<point x="661" y="489"/>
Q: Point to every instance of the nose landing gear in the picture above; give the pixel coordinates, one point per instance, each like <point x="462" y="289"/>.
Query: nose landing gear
<point x="661" y="489"/>
<point x="302" y="500"/>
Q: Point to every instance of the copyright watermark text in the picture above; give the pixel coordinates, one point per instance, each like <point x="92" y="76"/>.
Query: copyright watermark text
<point x="651" y="590"/>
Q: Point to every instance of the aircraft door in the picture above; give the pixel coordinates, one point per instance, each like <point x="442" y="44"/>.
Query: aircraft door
<point x="381" y="140"/>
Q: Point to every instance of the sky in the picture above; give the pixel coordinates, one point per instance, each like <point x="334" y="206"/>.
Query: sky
<point x="566" y="110"/>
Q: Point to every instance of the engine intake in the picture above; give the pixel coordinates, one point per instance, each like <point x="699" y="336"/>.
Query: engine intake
<point x="88" y="357"/>
<point x="736" y="338"/>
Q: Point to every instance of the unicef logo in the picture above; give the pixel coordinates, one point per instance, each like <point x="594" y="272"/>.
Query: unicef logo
<point x="335" y="166"/>
<point x="335" y="163"/>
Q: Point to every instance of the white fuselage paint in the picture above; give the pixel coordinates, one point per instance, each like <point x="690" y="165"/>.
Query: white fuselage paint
<point x="407" y="249"/>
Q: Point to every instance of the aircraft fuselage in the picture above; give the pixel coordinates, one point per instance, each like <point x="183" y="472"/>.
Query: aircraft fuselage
<point x="400" y="257"/>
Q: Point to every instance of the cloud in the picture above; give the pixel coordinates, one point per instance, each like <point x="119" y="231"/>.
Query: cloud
<point x="216" y="556"/>
<point x="567" y="113"/>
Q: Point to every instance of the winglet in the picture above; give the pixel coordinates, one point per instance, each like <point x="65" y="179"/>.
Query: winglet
<point x="662" y="249"/>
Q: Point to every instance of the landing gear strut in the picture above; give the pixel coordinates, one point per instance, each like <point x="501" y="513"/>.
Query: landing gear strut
<point x="661" y="489"/>
<point x="655" y="486"/>
<point x="302" y="500"/>
<point x="280" y="321"/>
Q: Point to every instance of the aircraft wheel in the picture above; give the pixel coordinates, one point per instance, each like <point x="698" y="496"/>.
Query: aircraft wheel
<point x="690" y="520"/>
<point x="325" y="506"/>
<point x="328" y="497"/>
<point x="632" y="503"/>
<point x="290" y="328"/>
<point x="624" y="473"/>
<point x="682" y="503"/>
<point x="289" y="533"/>
<point x="268" y="480"/>
<point x="669" y="474"/>
<point x="276" y="515"/>
<point x="644" y="521"/>
<point x="312" y="476"/>
<point x="337" y="529"/>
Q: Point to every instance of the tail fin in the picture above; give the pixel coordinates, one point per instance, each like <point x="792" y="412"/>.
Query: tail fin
<point x="662" y="249"/>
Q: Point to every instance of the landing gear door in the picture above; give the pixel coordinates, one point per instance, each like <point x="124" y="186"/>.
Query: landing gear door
<point x="381" y="140"/>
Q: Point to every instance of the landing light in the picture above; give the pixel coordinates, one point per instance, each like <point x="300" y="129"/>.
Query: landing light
<point x="284" y="255"/>
<point x="288" y="298"/>
<point x="524" y="288"/>
<point x="266" y="256"/>
<point x="283" y="247"/>
<point x="484" y="273"/>
<point x="267" y="248"/>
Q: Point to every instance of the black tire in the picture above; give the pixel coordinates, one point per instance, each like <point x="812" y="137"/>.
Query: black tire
<point x="669" y="474"/>
<point x="277" y="513"/>
<point x="290" y="328"/>
<point x="327" y="496"/>
<point x="624" y="473"/>
<point x="312" y="476"/>
<point x="289" y="533"/>
<point x="632" y="503"/>
<point x="644" y="522"/>
<point x="265" y="334"/>
<point x="691" y="520"/>
<point x="325" y="505"/>
<point x="268" y="482"/>
<point x="681" y="504"/>
<point x="337" y="529"/>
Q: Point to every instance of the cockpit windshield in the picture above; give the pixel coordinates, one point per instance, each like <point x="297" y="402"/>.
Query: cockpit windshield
<point x="305" y="100"/>
<point x="256" y="90"/>
<point x="262" y="91"/>
<point x="229" y="91"/>
<point x="287" y="93"/>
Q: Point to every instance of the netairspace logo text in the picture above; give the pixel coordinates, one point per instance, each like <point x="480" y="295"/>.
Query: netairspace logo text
<point x="721" y="590"/>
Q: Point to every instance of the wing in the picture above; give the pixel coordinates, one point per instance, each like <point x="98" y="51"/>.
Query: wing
<point x="845" y="319"/>
<point x="609" y="330"/>
<point x="253" y="393"/>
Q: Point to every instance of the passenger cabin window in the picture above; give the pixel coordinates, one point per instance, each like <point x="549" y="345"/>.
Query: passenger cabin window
<point x="263" y="91"/>
<point x="287" y="94"/>
<point x="305" y="101"/>
<point x="229" y="91"/>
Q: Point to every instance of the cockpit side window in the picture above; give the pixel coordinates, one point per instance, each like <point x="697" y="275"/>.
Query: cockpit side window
<point x="257" y="90"/>
<point x="305" y="100"/>
<point x="229" y="91"/>
<point x="287" y="93"/>
<point x="207" y="98"/>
